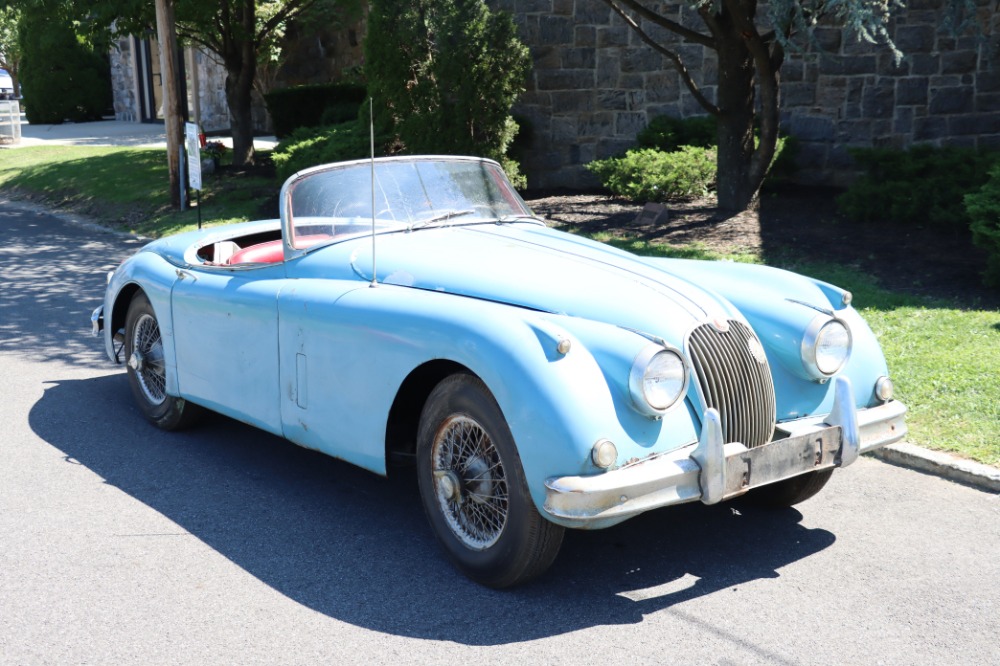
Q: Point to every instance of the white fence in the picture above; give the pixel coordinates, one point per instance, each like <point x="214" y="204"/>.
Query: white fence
<point x="10" y="122"/>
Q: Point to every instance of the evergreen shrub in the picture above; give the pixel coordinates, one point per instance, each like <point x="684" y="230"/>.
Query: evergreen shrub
<point x="648" y="174"/>
<point x="313" y="105"/>
<point x="310" y="146"/>
<point x="62" y="78"/>
<point x="448" y="82"/>
<point x="983" y="208"/>
<point x="668" y="134"/>
<point x="675" y="158"/>
<point x="922" y="185"/>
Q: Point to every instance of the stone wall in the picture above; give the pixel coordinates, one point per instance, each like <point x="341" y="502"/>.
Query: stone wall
<point x="123" y="80"/>
<point x="595" y="85"/>
<point x="206" y="88"/>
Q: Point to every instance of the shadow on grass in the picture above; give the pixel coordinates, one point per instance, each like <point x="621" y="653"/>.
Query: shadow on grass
<point x="129" y="188"/>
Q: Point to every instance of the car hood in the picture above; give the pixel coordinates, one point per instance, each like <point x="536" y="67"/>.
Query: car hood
<point x="534" y="267"/>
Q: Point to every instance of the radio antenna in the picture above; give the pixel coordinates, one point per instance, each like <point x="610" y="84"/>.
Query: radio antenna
<point x="371" y="135"/>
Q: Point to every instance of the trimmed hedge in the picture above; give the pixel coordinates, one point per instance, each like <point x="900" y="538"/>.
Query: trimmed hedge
<point x="648" y="174"/>
<point x="668" y="134"/>
<point x="922" y="185"/>
<point x="983" y="207"/>
<point x="313" y="105"/>
<point x="310" y="146"/>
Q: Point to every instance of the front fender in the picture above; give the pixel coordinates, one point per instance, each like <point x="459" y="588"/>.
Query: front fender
<point x="155" y="276"/>
<point x="779" y="305"/>
<point x="366" y="341"/>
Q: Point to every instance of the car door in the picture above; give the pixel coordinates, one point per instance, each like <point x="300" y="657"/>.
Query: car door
<point x="226" y="339"/>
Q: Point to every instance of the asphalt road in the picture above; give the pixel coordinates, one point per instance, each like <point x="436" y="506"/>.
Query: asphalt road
<point x="120" y="544"/>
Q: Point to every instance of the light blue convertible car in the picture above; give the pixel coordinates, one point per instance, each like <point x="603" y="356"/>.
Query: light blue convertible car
<point x="413" y="311"/>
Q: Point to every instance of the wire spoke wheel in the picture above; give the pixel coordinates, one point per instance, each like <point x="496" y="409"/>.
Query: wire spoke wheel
<point x="147" y="359"/>
<point x="469" y="482"/>
<point x="473" y="487"/>
<point x="147" y="369"/>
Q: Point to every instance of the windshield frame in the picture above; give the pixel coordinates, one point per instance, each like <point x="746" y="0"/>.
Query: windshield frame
<point x="510" y="198"/>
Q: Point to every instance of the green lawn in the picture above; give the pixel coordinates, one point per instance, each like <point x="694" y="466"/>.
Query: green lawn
<point x="125" y="188"/>
<point x="945" y="361"/>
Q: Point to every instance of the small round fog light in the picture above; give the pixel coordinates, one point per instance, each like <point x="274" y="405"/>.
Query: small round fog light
<point x="883" y="389"/>
<point x="604" y="454"/>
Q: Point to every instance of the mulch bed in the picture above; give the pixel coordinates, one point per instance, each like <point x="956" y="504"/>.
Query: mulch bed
<point x="801" y="223"/>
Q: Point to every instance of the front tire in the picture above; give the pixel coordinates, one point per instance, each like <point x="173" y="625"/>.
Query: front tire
<point x="789" y="492"/>
<point x="146" y="369"/>
<point x="473" y="488"/>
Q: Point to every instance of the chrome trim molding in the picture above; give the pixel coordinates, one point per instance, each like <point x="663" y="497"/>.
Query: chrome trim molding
<point x="712" y="471"/>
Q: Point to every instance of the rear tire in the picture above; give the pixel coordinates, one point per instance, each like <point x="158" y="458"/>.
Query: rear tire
<point x="146" y="369"/>
<point x="473" y="488"/>
<point x="791" y="491"/>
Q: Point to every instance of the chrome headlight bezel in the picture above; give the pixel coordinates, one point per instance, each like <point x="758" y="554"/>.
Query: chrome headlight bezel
<point x="819" y="330"/>
<point x="643" y="399"/>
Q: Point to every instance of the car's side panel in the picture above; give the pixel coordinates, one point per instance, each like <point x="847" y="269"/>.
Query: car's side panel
<point x="225" y="326"/>
<point x="347" y="353"/>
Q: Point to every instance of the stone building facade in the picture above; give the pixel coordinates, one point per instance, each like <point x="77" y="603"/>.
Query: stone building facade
<point x="137" y="94"/>
<point x="594" y="85"/>
<point x="309" y="58"/>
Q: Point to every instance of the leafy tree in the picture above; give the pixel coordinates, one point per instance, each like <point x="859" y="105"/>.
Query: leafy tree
<point x="243" y="33"/>
<point x="10" y="48"/>
<point x="62" y="77"/>
<point x="751" y="50"/>
<point x="447" y="83"/>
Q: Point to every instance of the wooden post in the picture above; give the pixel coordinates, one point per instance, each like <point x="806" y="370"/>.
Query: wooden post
<point x="172" y="111"/>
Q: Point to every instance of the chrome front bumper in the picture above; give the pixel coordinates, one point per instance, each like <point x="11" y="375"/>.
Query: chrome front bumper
<point x="97" y="321"/>
<point x="712" y="471"/>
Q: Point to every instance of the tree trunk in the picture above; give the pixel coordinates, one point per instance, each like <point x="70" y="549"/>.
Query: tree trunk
<point x="172" y="111"/>
<point x="241" y="68"/>
<point x="239" y="86"/>
<point x="737" y="184"/>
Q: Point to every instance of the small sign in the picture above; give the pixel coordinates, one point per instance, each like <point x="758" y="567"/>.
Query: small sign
<point x="193" y="147"/>
<point x="652" y="214"/>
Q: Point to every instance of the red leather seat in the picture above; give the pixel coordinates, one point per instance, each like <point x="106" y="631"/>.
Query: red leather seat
<point x="270" y="252"/>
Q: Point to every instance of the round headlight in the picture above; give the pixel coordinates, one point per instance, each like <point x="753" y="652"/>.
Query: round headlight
<point x="826" y="346"/>
<point x="658" y="379"/>
<point x="884" y="389"/>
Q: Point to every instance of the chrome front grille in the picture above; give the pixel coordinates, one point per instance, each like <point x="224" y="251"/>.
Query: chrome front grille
<point x="735" y="379"/>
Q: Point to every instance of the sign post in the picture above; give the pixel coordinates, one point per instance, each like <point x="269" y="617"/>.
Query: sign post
<point x="193" y="146"/>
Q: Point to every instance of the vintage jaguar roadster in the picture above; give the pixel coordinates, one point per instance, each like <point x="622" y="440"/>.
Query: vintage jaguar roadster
<point x="413" y="311"/>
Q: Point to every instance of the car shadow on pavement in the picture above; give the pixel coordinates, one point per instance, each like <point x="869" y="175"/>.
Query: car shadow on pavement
<point x="355" y="546"/>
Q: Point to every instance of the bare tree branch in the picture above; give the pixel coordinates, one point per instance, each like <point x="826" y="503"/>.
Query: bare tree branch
<point x="664" y="22"/>
<point x="674" y="58"/>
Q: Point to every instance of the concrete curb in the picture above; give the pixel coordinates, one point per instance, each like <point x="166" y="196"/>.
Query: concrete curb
<point x="946" y="466"/>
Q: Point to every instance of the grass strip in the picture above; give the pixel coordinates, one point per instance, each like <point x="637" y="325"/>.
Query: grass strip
<point x="126" y="188"/>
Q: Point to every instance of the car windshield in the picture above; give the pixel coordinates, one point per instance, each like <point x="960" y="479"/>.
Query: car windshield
<point x="409" y="193"/>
